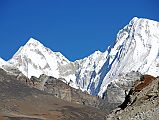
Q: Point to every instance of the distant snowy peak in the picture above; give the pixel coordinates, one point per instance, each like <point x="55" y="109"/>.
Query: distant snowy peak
<point x="35" y="59"/>
<point x="33" y="42"/>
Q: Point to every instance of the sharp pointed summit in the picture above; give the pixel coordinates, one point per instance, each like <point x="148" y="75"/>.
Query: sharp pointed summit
<point x="33" y="59"/>
<point x="32" y="40"/>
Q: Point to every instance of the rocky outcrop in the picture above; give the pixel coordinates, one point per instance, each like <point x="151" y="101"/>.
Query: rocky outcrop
<point x="59" y="89"/>
<point x="19" y="101"/>
<point x="141" y="103"/>
<point x="145" y="81"/>
<point x="120" y="87"/>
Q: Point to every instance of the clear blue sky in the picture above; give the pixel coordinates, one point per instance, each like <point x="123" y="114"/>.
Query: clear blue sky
<point x="76" y="28"/>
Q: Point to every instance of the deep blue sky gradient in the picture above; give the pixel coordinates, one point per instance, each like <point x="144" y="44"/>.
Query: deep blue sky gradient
<point x="76" y="28"/>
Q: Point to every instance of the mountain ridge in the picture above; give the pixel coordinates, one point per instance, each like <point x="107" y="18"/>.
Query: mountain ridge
<point x="135" y="49"/>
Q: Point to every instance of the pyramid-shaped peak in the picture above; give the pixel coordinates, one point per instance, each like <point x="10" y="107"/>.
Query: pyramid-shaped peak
<point x="33" y="42"/>
<point x="135" y="18"/>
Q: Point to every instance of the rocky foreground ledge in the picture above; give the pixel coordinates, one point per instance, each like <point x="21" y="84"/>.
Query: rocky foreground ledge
<point x="141" y="103"/>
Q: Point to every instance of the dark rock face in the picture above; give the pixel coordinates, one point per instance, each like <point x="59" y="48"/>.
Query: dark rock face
<point x="126" y="101"/>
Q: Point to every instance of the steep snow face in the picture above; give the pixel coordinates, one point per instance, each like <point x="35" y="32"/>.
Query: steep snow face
<point x="136" y="49"/>
<point x="34" y="59"/>
<point x="88" y="69"/>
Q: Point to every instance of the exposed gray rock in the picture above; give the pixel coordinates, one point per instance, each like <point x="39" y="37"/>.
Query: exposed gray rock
<point x="142" y="102"/>
<point x="63" y="91"/>
<point x="120" y="87"/>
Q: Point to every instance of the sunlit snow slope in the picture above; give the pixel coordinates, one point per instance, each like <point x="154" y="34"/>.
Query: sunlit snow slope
<point x="136" y="49"/>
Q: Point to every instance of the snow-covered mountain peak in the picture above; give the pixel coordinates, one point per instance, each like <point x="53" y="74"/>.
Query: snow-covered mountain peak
<point x="94" y="55"/>
<point x="133" y="20"/>
<point x="142" y="24"/>
<point x="136" y="49"/>
<point x="35" y="59"/>
<point x="33" y="42"/>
